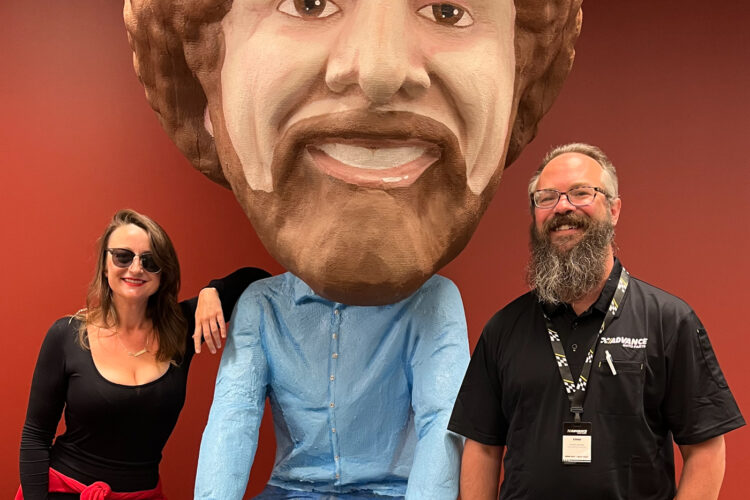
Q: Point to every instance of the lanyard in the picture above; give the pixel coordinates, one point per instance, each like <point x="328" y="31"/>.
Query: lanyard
<point x="577" y="392"/>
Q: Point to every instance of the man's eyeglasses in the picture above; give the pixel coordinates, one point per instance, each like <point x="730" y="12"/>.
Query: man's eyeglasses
<point x="122" y="257"/>
<point x="578" y="196"/>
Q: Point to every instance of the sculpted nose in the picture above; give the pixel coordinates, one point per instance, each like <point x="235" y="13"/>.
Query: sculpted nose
<point x="376" y="54"/>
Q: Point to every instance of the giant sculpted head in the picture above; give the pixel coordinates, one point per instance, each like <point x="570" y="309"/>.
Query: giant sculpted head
<point x="363" y="138"/>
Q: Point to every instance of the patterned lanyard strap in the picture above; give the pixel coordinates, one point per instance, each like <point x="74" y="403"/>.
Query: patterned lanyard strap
<point x="577" y="392"/>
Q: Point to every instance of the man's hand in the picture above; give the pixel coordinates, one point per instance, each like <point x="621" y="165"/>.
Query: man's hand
<point x="702" y="470"/>
<point x="209" y="321"/>
<point x="480" y="471"/>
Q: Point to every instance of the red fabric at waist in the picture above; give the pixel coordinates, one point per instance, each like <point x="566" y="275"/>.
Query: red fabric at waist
<point x="60" y="483"/>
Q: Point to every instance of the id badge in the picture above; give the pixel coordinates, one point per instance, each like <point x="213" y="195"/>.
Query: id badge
<point x="576" y="443"/>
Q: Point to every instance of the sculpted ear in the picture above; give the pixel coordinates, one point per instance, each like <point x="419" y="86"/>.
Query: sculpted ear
<point x="546" y="32"/>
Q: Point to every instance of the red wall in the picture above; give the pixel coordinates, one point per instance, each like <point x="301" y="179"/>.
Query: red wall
<point x="661" y="86"/>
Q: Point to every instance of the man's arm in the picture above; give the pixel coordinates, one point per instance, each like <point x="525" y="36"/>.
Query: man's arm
<point x="437" y="367"/>
<point x="702" y="470"/>
<point x="480" y="471"/>
<point x="231" y="435"/>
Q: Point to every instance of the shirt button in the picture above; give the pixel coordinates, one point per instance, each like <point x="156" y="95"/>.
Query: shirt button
<point x="335" y="355"/>
<point x="333" y="378"/>
<point x="337" y="476"/>
<point x="334" y="336"/>
<point x="336" y="312"/>
<point x="332" y="405"/>
<point x="336" y="458"/>
<point x="333" y="430"/>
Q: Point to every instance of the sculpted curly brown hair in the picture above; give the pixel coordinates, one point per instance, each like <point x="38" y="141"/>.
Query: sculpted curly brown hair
<point x="178" y="49"/>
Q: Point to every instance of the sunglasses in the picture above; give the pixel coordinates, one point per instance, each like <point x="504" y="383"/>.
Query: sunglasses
<point x="122" y="257"/>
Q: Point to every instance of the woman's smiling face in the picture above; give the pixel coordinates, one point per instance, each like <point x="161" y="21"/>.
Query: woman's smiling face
<point x="131" y="283"/>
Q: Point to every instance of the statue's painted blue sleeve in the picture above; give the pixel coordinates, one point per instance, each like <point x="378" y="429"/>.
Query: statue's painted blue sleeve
<point x="437" y="366"/>
<point x="231" y="435"/>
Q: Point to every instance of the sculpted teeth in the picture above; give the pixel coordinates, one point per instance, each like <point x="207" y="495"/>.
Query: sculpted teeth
<point x="372" y="158"/>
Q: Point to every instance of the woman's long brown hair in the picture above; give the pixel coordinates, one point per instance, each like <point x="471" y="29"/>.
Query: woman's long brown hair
<point x="162" y="309"/>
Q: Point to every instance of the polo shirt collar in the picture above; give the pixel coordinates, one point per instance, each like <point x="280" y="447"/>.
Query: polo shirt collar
<point x="602" y="304"/>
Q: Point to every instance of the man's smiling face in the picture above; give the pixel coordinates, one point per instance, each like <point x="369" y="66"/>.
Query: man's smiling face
<point x="565" y="224"/>
<point x="359" y="136"/>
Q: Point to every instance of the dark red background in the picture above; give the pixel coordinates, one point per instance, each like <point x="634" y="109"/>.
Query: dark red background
<point x="661" y="86"/>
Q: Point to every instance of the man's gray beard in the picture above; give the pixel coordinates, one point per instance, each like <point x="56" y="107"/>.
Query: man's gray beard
<point x="567" y="275"/>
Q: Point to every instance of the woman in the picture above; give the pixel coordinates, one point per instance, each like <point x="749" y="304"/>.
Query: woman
<point x="119" y="369"/>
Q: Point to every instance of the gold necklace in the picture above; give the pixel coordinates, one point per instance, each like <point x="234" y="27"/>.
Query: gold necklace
<point x="133" y="354"/>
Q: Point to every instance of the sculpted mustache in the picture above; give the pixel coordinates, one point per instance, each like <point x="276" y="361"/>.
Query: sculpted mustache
<point x="362" y="126"/>
<point x="378" y="126"/>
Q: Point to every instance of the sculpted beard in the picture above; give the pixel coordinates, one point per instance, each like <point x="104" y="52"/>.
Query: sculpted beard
<point x="568" y="274"/>
<point x="359" y="244"/>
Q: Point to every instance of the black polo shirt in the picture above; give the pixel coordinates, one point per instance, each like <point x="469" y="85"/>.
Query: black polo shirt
<point x="668" y="382"/>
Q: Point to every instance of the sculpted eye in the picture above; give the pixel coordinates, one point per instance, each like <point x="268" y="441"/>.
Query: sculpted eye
<point x="447" y="14"/>
<point x="308" y="9"/>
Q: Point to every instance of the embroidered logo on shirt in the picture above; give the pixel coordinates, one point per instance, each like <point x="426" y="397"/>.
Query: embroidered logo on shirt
<point x="628" y="342"/>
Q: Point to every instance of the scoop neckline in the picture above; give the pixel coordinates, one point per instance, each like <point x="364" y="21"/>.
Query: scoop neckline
<point x="117" y="384"/>
<point x="137" y="386"/>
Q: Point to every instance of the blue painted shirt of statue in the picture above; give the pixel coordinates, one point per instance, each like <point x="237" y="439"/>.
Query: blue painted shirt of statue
<point x="360" y="395"/>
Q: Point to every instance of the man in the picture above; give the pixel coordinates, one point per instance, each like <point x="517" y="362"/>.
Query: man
<point x="364" y="140"/>
<point x="582" y="382"/>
